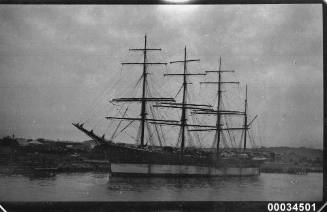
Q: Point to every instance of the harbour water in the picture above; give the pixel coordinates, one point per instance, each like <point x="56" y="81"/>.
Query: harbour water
<point x="99" y="187"/>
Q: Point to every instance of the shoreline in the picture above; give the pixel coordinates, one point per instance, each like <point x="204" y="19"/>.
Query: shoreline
<point x="42" y="160"/>
<point x="80" y="167"/>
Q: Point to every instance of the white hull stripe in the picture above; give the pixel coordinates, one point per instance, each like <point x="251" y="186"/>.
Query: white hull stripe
<point x="156" y="169"/>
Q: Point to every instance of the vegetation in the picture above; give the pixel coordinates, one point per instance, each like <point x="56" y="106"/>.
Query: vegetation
<point x="288" y="159"/>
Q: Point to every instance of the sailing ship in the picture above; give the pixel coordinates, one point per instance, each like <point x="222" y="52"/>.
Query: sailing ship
<point x="142" y="158"/>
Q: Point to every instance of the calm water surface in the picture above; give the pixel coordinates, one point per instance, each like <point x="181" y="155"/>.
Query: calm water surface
<point x="98" y="187"/>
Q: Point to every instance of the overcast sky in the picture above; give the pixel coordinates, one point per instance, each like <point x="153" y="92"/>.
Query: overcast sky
<point x="55" y="60"/>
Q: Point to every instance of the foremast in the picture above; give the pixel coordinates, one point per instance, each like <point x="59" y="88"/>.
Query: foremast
<point x="143" y="100"/>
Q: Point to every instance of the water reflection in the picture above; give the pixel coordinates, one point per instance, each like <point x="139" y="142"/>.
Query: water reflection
<point x="43" y="186"/>
<point x="135" y="184"/>
<point x="41" y="175"/>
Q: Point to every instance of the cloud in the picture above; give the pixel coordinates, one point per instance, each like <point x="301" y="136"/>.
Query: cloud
<point x="55" y="60"/>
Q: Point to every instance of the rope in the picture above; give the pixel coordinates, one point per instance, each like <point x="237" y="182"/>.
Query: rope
<point x="214" y="143"/>
<point x="179" y="138"/>
<point x="112" y="136"/>
<point x="190" y="140"/>
<point x="240" y="146"/>
<point x="150" y="134"/>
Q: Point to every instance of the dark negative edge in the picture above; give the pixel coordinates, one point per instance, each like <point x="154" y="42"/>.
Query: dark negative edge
<point x="252" y="206"/>
<point x="229" y="206"/>
<point x="161" y="2"/>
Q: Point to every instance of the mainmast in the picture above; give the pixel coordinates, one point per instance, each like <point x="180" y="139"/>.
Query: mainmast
<point x="143" y="106"/>
<point x="183" y="117"/>
<point x="218" y="108"/>
<point x="184" y="106"/>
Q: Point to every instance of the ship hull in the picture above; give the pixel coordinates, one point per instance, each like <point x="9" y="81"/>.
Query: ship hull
<point x="132" y="169"/>
<point x="134" y="161"/>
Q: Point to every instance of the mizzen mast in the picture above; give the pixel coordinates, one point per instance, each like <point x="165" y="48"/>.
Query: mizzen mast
<point x="219" y="111"/>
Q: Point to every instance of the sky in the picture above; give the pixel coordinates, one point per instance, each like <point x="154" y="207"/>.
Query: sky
<point x="58" y="63"/>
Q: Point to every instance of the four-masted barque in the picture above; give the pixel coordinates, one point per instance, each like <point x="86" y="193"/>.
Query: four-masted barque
<point x="159" y="160"/>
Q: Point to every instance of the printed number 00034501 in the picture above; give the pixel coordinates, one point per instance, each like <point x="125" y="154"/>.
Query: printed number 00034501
<point x="305" y="207"/>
